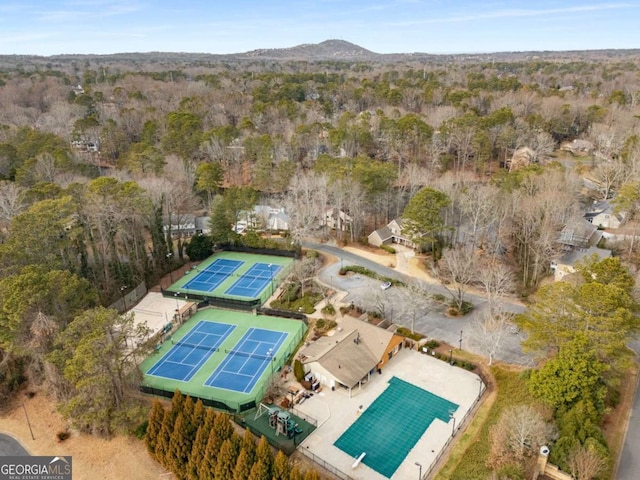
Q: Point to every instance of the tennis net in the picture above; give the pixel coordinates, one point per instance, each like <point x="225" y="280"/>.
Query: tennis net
<point x="256" y="277"/>
<point x="250" y="355"/>
<point x="209" y="348"/>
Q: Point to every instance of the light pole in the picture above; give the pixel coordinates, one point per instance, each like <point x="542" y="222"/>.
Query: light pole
<point x="453" y="429"/>
<point x="460" y="339"/>
<point x="177" y="307"/>
<point x="124" y="299"/>
<point x="169" y="255"/>
<point x="28" y="422"/>
<point x="419" y="465"/>
<point x="451" y="356"/>
<point x="271" y="278"/>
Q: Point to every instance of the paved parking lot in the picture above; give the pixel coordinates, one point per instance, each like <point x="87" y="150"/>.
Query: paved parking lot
<point x="406" y="308"/>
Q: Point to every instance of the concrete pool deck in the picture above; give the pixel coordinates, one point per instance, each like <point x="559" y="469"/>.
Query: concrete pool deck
<point x="336" y="412"/>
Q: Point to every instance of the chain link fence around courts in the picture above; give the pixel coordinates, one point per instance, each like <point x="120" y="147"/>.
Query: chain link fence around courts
<point x="327" y="466"/>
<point x="130" y="298"/>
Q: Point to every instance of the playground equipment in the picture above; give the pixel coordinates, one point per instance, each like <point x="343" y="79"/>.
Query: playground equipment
<point x="279" y="420"/>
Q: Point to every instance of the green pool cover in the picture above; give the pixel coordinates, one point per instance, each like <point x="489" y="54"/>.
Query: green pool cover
<point x="392" y="425"/>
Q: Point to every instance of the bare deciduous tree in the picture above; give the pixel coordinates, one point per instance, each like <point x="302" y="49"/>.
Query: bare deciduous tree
<point x="497" y="280"/>
<point x="11" y="201"/>
<point x="586" y="462"/>
<point x="458" y="268"/>
<point x="519" y="433"/>
<point x="305" y="203"/>
<point x="490" y="330"/>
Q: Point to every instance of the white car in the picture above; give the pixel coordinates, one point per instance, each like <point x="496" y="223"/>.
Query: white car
<point x="385" y="286"/>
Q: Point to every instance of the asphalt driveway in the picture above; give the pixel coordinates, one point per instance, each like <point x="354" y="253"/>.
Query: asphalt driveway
<point x="9" y="446"/>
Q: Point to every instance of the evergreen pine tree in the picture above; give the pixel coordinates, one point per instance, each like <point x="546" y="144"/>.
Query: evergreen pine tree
<point x="281" y="467"/>
<point x="179" y="448"/>
<point x="199" y="413"/>
<point x="311" y="475"/>
<point x="162" y="444"/>
<point x="199" y="446"/>
<point x="207" y="467"/>
<point x="259" y="471"/>
<point x="265" y="455"/>
<point x="249" y="444"/>
<point x="236" y="440"/>
<point x="227" y="460"/>
<point x="222" y="428"/>
<point x="295" y="473"/>
<point x="155" y="426"/>
<point x="187" y="413"/>
<point x="242" y="468"/>
<point x="176" y="405"/>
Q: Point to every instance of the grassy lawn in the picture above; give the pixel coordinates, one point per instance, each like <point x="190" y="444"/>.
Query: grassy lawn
<point x="468" y="455"/>
<point x="473" y="447"/>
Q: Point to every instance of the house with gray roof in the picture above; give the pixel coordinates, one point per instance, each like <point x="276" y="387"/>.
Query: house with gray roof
<point x="350" y="355"/>
<point x="390" y="233"/>
<point x="601" y="215"/>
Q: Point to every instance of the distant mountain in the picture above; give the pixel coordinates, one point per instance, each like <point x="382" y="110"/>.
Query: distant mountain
<point x="327" y="50"/>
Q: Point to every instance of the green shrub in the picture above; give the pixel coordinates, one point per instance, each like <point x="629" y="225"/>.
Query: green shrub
<point x="329" y="309"/>
<point x="405" y="332"/>
<point x="141" y="430"/>
<point x="388" y="249"/>
<point x="320" y="324"/>
<point x="438" y="297"/>
<point x="312" y="254"/>
<point x="432" y="344"/>
<point x="298" y="370"/>
<point x="512" y="472"/>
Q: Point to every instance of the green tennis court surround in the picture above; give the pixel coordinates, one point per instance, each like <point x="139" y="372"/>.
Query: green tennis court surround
<point x="392" y="425"/>
<point x="233" y="276"/>
<point x="182" y="364"/>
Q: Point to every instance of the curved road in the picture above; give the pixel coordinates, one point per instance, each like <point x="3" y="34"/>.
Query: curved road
<point x="401" y="307"/>
<point x="9" y="446"/>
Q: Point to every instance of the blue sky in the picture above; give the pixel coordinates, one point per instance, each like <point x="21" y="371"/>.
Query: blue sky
<point x="47" y="27"/>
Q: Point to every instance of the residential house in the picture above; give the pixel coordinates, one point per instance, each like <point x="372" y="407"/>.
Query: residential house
<point x="578" y="148"/>
<point x="565" y="265"/>
<point x="579" y="234"/>
<point x="263" y="217"/>
<point x="391" y="233"/>
<point x="601" y="215"/>
<point x="349" y="357"/>
<point x="522" y="157"/>
<point x="337" y="219"/>
<point x="187" y="225"/>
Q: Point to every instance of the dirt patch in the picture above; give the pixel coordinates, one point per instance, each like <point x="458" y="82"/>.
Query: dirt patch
<point x="93" y="458"/>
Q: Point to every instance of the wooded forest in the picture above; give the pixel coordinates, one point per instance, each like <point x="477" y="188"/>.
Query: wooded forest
<point x="486" y="161"/>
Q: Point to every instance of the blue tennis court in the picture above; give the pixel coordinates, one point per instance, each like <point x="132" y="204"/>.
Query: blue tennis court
<point x="208" y="279"/>
<point x="392" y="425"/>
<point x="191" y="352"/>
<point x="254" y="280"/>
<point x="250" y="357"/>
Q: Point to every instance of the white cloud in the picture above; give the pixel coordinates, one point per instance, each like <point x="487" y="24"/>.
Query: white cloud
<point x="517" y="13"/>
